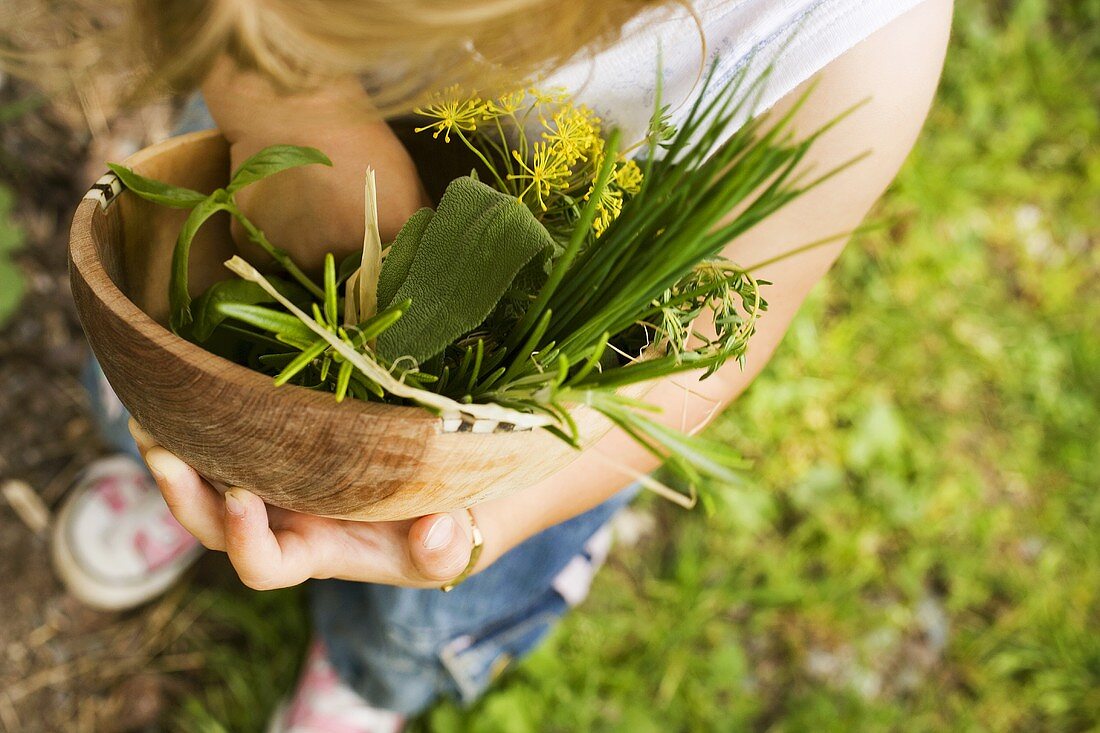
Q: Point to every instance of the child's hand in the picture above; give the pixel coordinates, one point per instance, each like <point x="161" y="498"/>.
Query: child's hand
<point x="276" y="548"/>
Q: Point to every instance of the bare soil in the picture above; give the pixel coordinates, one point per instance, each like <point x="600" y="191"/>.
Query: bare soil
<point x="64" y="667"/>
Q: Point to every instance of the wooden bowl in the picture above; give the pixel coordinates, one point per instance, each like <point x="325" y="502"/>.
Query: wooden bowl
<point x="294" y="447"/>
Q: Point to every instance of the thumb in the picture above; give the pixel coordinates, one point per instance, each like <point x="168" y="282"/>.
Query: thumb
<point x="440" y="545"/>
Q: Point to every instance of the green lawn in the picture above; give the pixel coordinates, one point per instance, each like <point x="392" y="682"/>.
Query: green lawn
<point x="916" y="546"/>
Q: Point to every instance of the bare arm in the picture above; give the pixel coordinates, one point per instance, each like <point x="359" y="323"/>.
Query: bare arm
<point x="313" y="210"/>
<point x="897" y="69"/>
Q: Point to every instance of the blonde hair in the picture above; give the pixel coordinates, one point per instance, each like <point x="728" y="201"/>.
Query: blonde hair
<point x="403" y="49"/>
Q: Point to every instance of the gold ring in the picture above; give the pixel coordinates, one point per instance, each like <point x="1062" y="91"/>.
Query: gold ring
<point x="475" y="554"/>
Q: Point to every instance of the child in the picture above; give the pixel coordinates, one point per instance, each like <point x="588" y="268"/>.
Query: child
<point x="310" y="72"/>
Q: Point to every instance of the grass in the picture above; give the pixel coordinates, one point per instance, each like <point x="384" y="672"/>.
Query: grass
<point x="11" y="239"/>
<point x="916" y="547"/>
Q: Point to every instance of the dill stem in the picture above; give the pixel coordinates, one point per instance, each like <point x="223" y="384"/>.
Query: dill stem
<point x="484" y="160"/>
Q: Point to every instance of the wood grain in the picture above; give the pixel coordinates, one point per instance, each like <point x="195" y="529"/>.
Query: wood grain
<point x="294" y="447"/>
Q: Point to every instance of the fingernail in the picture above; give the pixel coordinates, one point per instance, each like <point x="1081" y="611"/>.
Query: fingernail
<point x="233" y="504"/>
<point x="440" y="533"/>
<point x="155" y="462"/>
<point x="138" y="433"/>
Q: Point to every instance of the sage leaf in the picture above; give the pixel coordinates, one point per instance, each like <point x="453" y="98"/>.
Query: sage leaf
<point x="468" y="256"/>
<point x="179" y="299"/>
<point x="272" y="160"/>
<point x="395" y="268"/>
<point x="158" y="192"/>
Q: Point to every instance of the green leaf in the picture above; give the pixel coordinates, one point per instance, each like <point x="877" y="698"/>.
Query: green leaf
<point x="12" y="111"/>
<point x="301" y="361"/>
<point x="11" y="235"/>
<point x="206" y="311"/>
<point x="272" y="160"/>
<point x="12" y="284"/>
<point x="158" y="192"/>
<point x="277" y="322"/>
<point x="331" y="296"/>
<point x="11" y="289"/>
<point x="690" y="456"/>
<point x="179" y="299"/>
<point x="369" y="329"/>
<point x="468" y="255"/>
<point x="347" y="267"/>
<point x="395" y="268"/>
<point x="343" y="379"/>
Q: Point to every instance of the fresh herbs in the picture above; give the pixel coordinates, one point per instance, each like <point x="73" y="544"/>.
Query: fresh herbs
<point x="264" y="163"/>
<point x="571" y="272"/>
<point x="455" y="265"/>
<point x="541" y="148"/>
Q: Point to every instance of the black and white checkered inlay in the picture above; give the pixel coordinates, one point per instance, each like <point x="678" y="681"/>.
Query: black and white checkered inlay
<point x="105" y="190"/>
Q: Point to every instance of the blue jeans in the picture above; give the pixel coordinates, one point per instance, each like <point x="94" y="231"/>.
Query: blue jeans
<point x="403" y="648"/>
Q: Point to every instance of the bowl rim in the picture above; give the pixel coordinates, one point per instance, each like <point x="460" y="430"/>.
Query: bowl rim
<point x="85" y="260"/>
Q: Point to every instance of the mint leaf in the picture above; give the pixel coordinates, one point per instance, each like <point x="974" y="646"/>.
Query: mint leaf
<point x="395" y="268"/>
<point x="468" y="255"/>
<point x="179" y="299"/>
<point x="158" y="192"/>
<point x="272" y="160"/>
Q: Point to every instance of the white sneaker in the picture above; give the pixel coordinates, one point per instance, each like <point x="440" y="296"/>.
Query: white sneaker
<point x="115" y="543"/>
<point x="324" y="704"/>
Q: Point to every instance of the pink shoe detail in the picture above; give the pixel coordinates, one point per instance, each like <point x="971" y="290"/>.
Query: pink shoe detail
<point x="116" y="544"/>
<point x="143" y="518"/>
<point x="163" y="544"/>
<point x="322" y="703"/>
<point x="110" y="490"/>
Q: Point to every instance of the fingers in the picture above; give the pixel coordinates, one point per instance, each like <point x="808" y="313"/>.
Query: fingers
<point x="437" y="546"/>
<point x="440" y="545"/>
<point x="262" y="560"/>
<point x="143" y="439"/>
<point x="195" y="504"/>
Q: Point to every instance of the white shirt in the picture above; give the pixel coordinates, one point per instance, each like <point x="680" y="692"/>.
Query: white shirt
<point x="796" y="37"/>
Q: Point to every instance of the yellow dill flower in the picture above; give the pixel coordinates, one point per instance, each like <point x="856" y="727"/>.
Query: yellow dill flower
<point x="452" y="113"/>
<point x="548" y="170"/>
<point x="544" y="101"/>
<point x="608" y="208"/>
<point x="628" y="177"/>
<point x="504" y="105"/>
<point x="595" y="154"/>
<point x="554" y="95"/>
<point x="574" y="131"/>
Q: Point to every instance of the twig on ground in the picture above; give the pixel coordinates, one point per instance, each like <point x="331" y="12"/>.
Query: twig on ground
<point x="41" y="635"/>
<point x="8" y="717"/>
<point x="26" y="504"/>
